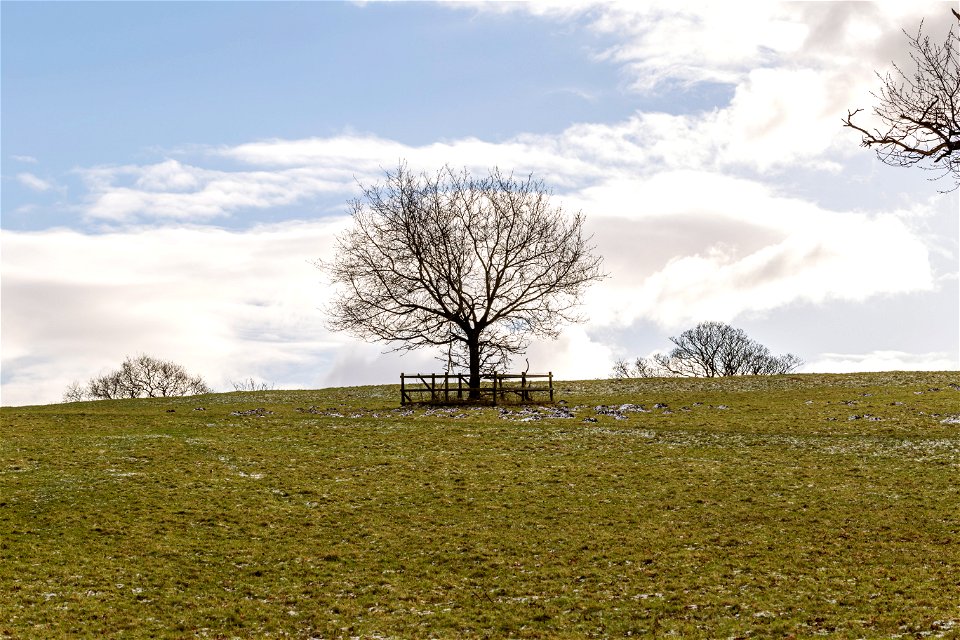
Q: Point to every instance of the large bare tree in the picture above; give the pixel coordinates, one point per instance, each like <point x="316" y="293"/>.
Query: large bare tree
<point x="474" y="266"/>
<point x="918" y="111"/>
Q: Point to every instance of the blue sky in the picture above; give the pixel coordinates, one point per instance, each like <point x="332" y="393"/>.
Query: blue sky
<point x="170" y="171"/>
<point x="94" y="83"/>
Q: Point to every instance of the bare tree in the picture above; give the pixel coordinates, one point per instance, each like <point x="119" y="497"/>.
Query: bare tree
<point x="139" y="377"/>
<point x="75" y="392"/>
<point x="475" y="266"/>
<point x="919" y="111"/>
<point x="639" y="368"/>
<point x="709" y="350"/>
<point x="249" y="384"/>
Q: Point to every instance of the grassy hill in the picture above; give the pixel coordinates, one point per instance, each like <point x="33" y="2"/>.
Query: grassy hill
<point x="791" y="506"/>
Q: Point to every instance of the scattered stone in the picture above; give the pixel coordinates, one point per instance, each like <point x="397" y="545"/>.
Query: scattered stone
<point x="951" y="420"/>
<point x="632" y="408"/>
<point x="310" y="409"/>
<point x="446" y="412"/>
<point x="199" y="409"/>
<point x="661" y="405"/>
<point x="604" y="410"/>
<point x="560" y="412"/>
<point x="261" y="412"/>
<point x="530" y="414"/>
<point x="589" y="420"/>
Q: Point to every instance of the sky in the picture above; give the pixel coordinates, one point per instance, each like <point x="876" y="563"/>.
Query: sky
<point x="172" y="171"/>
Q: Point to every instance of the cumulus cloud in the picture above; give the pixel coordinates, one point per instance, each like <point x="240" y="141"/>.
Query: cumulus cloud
<point x="734" y="246"/>
<point x="227" y="305"/>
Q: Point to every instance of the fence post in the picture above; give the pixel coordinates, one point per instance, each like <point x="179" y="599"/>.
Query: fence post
<point x="403" y="393"/>
<point x="494" y="388"/>
<point x="459" y="387"/>
<point x="551" y="386"/>
<point x="446" y="387"/>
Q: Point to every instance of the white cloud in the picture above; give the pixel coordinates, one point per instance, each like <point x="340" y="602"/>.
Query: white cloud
<point x="33" y="182"/>
<point x="170" y="190"/>
<point x="697" y="42"/>
<point x="25" y="159"/>
<point x="732" y="246"/>
<point x="226" y="305"/>
<point x="880" y="361"/>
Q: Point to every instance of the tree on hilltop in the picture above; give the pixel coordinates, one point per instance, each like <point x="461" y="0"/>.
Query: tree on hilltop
<point x="711" y="349"/>
<point x="139" y="377"/>
<point x="475" y="266"/>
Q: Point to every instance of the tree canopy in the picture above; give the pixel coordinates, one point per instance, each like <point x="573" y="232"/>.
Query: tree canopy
<point x="709" y="350"/>
<point x="142" y="376"/>
<point x="475" y="266"/>
<point x="917" y="115"/>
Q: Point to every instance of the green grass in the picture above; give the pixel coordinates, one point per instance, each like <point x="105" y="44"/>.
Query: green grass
<point x="776" y="516"/>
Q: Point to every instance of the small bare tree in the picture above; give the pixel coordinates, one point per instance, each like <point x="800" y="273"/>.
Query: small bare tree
<point x="709" y="350"/>
<point x="139" y="377"/>
<point x="475" y="266"/>
<point x="919" y="110"/>
<point x="250" y="384"/>
<point x="75" y="392"/>
<point x="639" y="368"/>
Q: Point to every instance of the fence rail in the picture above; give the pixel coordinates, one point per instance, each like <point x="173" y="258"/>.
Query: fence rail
<point x="449" y="388"/>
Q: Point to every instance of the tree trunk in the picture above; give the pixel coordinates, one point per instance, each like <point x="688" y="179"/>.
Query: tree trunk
<point x="473" y="347"/>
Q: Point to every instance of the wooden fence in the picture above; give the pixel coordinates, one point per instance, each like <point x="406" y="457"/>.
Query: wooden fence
<point x="451" y="388"/>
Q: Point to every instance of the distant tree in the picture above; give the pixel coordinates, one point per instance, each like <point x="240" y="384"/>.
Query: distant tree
<point x="639" y="368"/>
<point x="474" y="266"/>
<point x="75" y="392"/>
<point x="919" y="110"/>
<point x="139" y="377"/>
<point x="250" y="384"/>
<point x="709" y="350"/>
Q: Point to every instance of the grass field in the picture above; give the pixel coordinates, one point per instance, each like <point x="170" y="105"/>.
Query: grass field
<point x="795" y="506"/>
